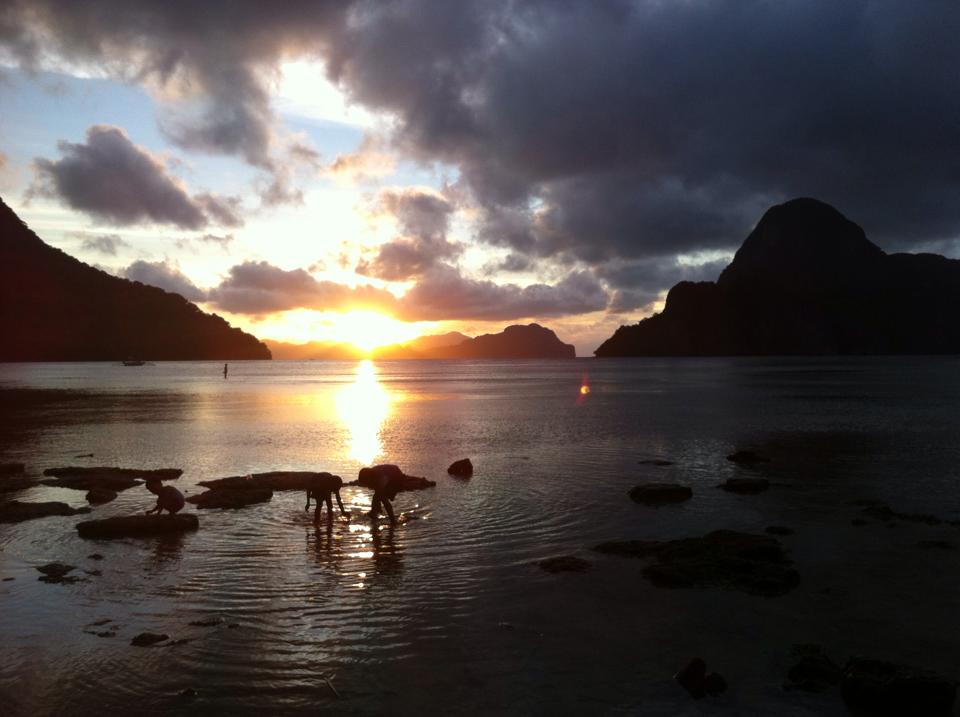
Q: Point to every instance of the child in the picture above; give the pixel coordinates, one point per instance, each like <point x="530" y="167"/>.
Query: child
<point x="321" y="490"/>
<point x="168" y="497"/>
<point x="386" y="481"/>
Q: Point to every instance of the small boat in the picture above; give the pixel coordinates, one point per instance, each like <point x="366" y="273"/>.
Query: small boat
<point x="134" y="363"/>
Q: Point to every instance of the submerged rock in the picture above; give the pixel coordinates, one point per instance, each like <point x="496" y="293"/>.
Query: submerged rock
<point x="660" y="493"/>
<point x="231" y="497"/>
<point x="138" y="526"/>
<point x="116" y="479"/>
<point x="745" y="486"/>
<point x="814" y="671"/>
<point x="276" y="480"/>
<point x="747" y="458"/>
<point x="146" y="639"/>
<point x="564" y="564"/>
<point x="99" y="496"/>
<point x="754" y="564"/>
<point x="15" y="511"/>
<point x="58" y="573"/>
<point x="461" y="469"/>
<point x="695" y="680"/>
<point x="874" y="687"/>
<point x="369" y="477"/>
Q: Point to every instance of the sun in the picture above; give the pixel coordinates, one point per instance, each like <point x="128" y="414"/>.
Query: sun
<point x="368" y="330"/>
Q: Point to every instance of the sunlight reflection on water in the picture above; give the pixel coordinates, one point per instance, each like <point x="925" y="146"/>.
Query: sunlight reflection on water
<point x="363" y="406"/>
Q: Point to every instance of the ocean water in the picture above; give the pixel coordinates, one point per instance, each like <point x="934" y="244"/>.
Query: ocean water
<point x="448" y="612"/>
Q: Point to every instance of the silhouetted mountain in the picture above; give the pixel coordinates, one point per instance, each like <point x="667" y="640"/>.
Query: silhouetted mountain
<point x="56" y="308"/>
<point x="533" y="341"/>
<point x="314" y="350"/>
<point x="806" y="281"/>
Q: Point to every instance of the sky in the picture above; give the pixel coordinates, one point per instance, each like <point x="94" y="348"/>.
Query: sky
<point x="373" y="171"/>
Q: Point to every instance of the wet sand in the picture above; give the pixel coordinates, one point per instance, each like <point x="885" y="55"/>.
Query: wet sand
<point x="450" y="612"/>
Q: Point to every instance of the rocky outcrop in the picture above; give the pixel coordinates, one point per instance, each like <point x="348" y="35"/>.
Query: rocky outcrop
<point x="146" y="639"/>
<point x="14" y="511"/>
<point x="138" y="526"/>
<point x="99" y="496"/>
<point x="277" y="480"/>
<point x="231" y="497"/>
<point x="881" y="689"/>
<point x="461" y="469"/>
<point x="660" y="493"/>
<point x="727" y="559"/>
<point x="56" y="308"/>
<point x="370" y="477"/>
<point x="57" y="573"/>
<point x="108" y="478"/>
<point x="806" y="281"/>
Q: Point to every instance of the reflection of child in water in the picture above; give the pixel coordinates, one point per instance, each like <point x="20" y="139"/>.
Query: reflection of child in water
<point x="168" y="498"/>
<point x="322" y="490"/>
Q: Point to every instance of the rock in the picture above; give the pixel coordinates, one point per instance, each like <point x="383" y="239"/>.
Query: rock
<point x="233" y="625"/>
<point x="94" y="573"/>
<point x="58" y="573"/>
<point x="814" y="672"/>
<point x="138" y="526"/>
<point x="10" y="483"/>
<point x="564" y="564"/>
<point x="117" y="479"/>
<point x="882" y="511"/>
<point x="15" y="511"/>
<point x="99" y="496"/>
<point x="660" y="493"/>
<point x="873" y="687"/>
<point x="692" y="677"/>
<point x="745" y="486"/>
<point x="655" y="462"/>
<point x="6" y="580"/>
<point x="754" y="564"/>
<point x="778" y="530"/>
<point x="11" y="469"/>
<point x="461" y="469"/>
<point x="369" y="476"/>
<point x="146" y="639"/>
<point x="95" y="556"/>
<point x="231" y="497"/>
<point x="84" y="455"/>
<point x="936" y="545"/>
<point x="277" y="480"/>
<point x="188" y="694"/>
<point x="714" y="684"/>
<point x="747" y="458"/>
<point x="211" y="622"/>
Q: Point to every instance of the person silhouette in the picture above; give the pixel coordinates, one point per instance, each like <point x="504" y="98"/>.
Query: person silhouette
<point x="168" y="498"/>
<point x="385" y="481"/>
<point x="224" y="370"/>
<point x="322" y="489"/>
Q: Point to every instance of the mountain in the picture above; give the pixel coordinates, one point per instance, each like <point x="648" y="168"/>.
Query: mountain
<point x="806" y="281"/>
<point x="314" y="350"/>
<point x="56" y="308"/>
<point x="514" y="342"/>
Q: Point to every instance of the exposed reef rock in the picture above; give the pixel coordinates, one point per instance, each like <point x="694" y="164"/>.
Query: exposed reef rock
<point x="276" y="480"/>
<point x="806" y="281"/>
<point x="99" y="496"/>
<point x="146" y="639"/>
<point x="461" y="469"/>
<point x="660" y="493"/>
<point x="138" y="526"/>
<point x="56" y="308"/>
<point x="231" y="497"/>
<point x="754" y="564"/>
<point x="115" y="479"/>
<point x="15" y="511"/>
<point x="369" y="477"/>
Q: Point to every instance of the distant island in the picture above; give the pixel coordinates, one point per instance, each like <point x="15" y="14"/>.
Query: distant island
<point x="56" y="308"/>
<point x="806" y="281"/>
<point x="514" y="342"/>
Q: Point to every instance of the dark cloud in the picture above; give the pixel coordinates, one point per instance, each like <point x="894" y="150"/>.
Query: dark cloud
<point x="113" y="179"/>
<point x="261" y="288"/>
<point x="104" y="244"/>
<point x="589" y="131"/>
<point x="444" y="294"/>
<point x="638" y="285"/>
<point x="423" y="218"/>
<point x="166" y="276"/>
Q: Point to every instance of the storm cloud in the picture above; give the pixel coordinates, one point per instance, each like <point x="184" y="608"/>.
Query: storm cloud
<point x="112" y="179"/>
<point x="584" y="132"/>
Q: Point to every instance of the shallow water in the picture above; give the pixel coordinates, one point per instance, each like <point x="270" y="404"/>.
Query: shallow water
<point x="446" y="612"/>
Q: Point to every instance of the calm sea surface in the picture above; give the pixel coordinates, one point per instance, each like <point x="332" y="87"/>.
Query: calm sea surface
<point x="448" y="614"/>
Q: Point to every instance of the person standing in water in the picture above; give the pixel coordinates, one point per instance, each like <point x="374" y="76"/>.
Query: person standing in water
<point x="224" y="370"/>
<point x="322" y="489"/>
<point x="168" y="498"/>
<point x="385" y="481"/>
